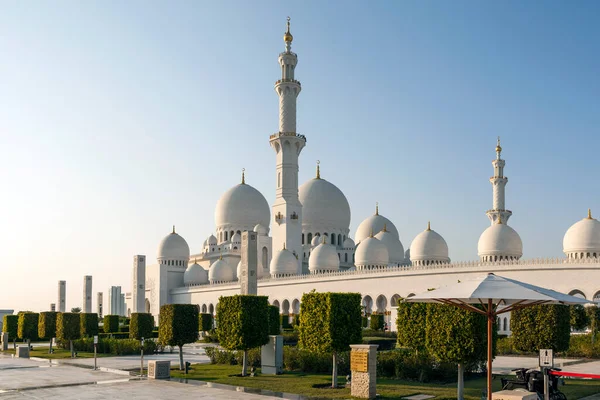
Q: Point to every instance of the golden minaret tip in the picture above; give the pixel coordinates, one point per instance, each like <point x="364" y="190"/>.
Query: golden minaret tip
<point x="318" y="170"/>
<point x="428" y="225"/>
<point x="589" y="213"/>
<point x="243" y="176"/>
<point x="498" y="147"/>
<point x="287" y="36"/>
<point x="376" y="208"/>
<point x="173" y="229"/>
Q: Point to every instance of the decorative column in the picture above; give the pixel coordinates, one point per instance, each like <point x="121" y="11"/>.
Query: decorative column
<point x="139" y="284"/>
<point x="62" y="296"/>
<point x="87" y="294"/>
<point x="498" y="182"/>
<point x="363" y="367"/>
<point x="287" y="143"/>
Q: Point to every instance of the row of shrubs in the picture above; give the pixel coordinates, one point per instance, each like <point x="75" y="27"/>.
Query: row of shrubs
<point x="579" y="346"/>
<point x="120" y="347"/>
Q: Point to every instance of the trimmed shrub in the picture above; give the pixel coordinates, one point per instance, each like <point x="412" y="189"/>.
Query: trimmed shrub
<point x="47" y="324"/>
<point x="329" y="323"/>
<point x="141" y="326"/>
<point x="89" y="324"/>
<point x="365" y="322"/>
<point x="290" y="338"/>
<point x="285" y="321"/>
<point x="377" y="322"/>
<point x="579" y="319"/>
<point x="119" y="347"/>
<point x="382" y="334"/>
<point x="178" y="325"/>
<point x="68" y="328"/>
<point x="111" y="323"/>
<point x="384" y="343"/>
<point x="28" y="326"/>
<point x="116" y="335"/>
<point x="300" y="360"/>
<point x="10" y="324"/>
<point x="227" y="357"/>
<point x="541" y="327"/>
<point x="274" y="323"/>
<point x="411" y="325"/>
<point x="243" y="323"/>
<point x="205" y="322"/>
<point x="408" y="365"/>
<point x="124" y="329"/>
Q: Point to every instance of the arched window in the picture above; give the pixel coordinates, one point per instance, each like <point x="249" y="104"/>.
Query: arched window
<point x="303" y="238"/>
<point x="332" y="238"/>
<point x="339" y="240"/>
<point x="265" y="258"/>
<point x="505" y="324"/>
<point x="346" y="257"/>
<point x="309" y="238"/>
<point x="225" y="235"/>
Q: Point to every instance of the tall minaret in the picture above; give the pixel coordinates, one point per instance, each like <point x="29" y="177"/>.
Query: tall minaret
<point x="287" y="210"/>
<point x="498" y="182"/>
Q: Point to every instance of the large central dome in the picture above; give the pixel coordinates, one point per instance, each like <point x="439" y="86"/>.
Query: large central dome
<point x="324" y="206"/>
<point x="242" y="207"/>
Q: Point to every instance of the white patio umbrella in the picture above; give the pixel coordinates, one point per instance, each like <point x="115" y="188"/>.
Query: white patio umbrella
<point x="490" y="292"/>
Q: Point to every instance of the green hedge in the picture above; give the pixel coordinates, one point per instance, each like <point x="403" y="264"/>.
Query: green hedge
<point x="10" y="324"/>
<point x="89" y="324"/>
<point x="285" y="321"/>
<point x="243" y="321"/>
<point x="28" y="326"/>
<point x="382" y="334"/>
<point x="330" y="322"/>
<point x="384" y="343"/>
<point x="377" y="322"/>
<point x="411" y="323"/>
<point x="541" y="327"/>
<point x="47" y="324"/>
<point x="228" y="357"/>
<point x="116" y="335"/>
<point x="124" y="328"/>
<point x="111" y="323"/>
<point x="120" y="347"/>
<point x="205" y="322"/>
<point x="408" y="365"/>
<point x="178" y="324"/>
<point x="68" y="326"/>
<point x="274" y="322"/>
<point x="141" y="326"/>
<point x="290" y="338"/>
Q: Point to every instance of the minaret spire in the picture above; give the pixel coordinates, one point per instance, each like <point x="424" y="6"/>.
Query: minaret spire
<point x="318" y="170"/>
<point x="243" y="176"/>
<point x="498" y="213"/>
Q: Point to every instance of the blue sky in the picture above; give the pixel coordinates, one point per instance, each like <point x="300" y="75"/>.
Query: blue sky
<point x="119" y="119"/>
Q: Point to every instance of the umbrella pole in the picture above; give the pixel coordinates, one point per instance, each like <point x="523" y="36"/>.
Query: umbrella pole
<point x="490" y="323"/>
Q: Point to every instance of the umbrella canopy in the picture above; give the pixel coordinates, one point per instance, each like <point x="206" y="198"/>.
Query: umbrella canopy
<point x="496" y="295"/>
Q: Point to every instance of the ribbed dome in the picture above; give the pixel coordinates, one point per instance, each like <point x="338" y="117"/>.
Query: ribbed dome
<point x="236" y="238"/>
<point x="220" y="271"/>
<point x="324" y="206"/>
<point x="315" y="240"/>
<point x="324" y="258"/>
<point x="259" y="272"/>
<point x="374" y="224"/>
<point x="243" y="207"/>
<point x="583" y="237"/>
<point x="429" y="246"/>
<point x="348" y="244"/>
<point x="394" y="246"/>
<point x="284" y="263"/>
<point x="261" y="230"/>
<point x="173" y="246"/>
<point x="195" y="275"/>
<point x="499" y="240"/>
<point x="371" y="252"/>
<point x="212" y="240"/>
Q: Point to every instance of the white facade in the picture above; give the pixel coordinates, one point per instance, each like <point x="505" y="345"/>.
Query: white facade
<point x="87" y="294"/>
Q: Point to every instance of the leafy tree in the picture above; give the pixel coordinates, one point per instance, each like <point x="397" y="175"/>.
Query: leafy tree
<point x="593" y="313"/>
<point x="243" y="323"/>
<point x="10" y="325"/>
<point x="76" y="309"/>
<point x="579" y="319"/>
<point x="411" y="325"/>
<point x="68" y="328"/>
<point x="274" y="325"/>
<point x="456" y="336"/>
<point x="111" y="323"/>
<point x="28" y="326"/>
<point x="141" y="326"/>
<point x="377" y="322"/>
<point x="330" y="322"/>
<point x="206" y="322"/>
<point x="541" y="327"/>
<point x="178" y="325"/>
<point x="88" y="324"/>
<point x="47" y="326"/>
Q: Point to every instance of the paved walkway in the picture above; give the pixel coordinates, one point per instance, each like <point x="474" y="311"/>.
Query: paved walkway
<point x="504" y="364"/>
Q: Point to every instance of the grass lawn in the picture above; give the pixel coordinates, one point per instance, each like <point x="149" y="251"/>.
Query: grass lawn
<point x="42" y="352"/>
<point x="302" y="383"/>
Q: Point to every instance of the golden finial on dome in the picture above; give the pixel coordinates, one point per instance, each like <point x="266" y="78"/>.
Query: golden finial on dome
<point x="173" y="229"/>
<point x="376" y="208"/>
<point x="428" y="225"/>
<point x="318" y="170"/>
<point x="287" y="37"/>
<point x="384" y="228"/>
<point x="371" y="234"/>
<point x="220" y="256"/>
<point x="498" y="147"/>
<point x="589" y="213"/>
<point x="243" y="176"/>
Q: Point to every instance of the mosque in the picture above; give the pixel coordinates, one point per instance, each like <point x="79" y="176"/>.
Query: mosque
<point x="304" y="242"/>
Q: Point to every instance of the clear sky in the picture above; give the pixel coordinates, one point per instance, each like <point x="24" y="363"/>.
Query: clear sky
<point x="120" y="119"/>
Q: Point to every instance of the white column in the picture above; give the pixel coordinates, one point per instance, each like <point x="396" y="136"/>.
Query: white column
<point x="62" y="296"/>
<point x="139" y="284"/>
<point x="87" y="294"/>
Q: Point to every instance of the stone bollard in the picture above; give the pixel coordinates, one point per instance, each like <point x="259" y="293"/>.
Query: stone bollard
<point x="271" y="355"/>
<point x="159" y="369"/>
<point x="22" y="352"/>
<point x="4" y="341"/>
<point x="363" y="366"/>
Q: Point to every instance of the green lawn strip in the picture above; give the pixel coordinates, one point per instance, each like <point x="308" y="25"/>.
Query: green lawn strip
<point x="42" y="352"/>
<point x="302" y="383"/>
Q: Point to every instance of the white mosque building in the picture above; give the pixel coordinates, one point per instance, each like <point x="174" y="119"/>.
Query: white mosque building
<point x="304" y="242"/>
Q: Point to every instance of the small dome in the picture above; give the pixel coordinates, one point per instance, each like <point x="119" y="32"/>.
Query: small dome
<point x="429" y="246"/>
<point x="394" y="246"/>
<point x="371" y="252"/>
<point x="324" y="258"/>
<point x="324" y="207"/>
<point x="205" y="243"/>
<point x="242" y="207"/>
<point x="220" y="271"/>
<point x="407" y="254"/>
<point x="583" y="237"/>
<point x="349" y="244"/>
<point x="236" y="238"/>
<point x="195" y="275"/>
<point x="315" y="241"/>
<point x="374" y="224"/>
<point x="212" y="240"/>
<point x="284" y="262"/>
<point x="499" y="240"/>
<point x="261" y="230"/>
<point x="173" y="246"/>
